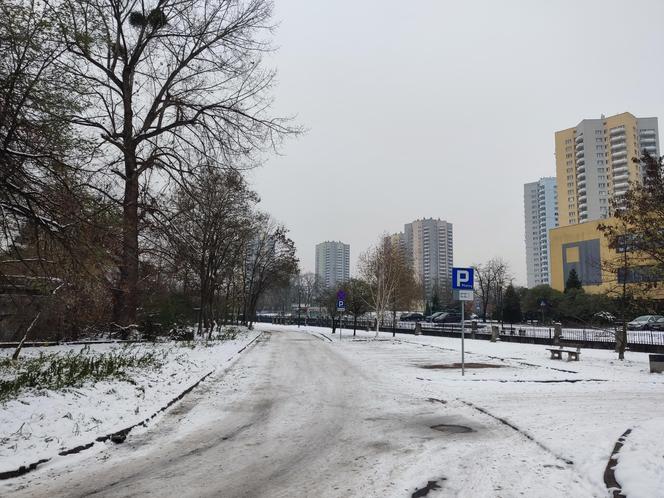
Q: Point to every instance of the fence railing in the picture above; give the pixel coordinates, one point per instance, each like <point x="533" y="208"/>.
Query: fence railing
<point x="643" y="340"/>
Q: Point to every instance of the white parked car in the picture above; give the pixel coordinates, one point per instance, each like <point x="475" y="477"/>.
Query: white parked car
<point x="643" y="322"/>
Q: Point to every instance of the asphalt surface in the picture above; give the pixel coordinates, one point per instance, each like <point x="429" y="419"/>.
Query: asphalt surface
<point x="299" y="416"/>
<point x="292" y="417"/>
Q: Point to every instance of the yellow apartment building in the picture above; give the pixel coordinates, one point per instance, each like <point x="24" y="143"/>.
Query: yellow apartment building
<point x="585" y="248"/>
<point x="594" y="165"/>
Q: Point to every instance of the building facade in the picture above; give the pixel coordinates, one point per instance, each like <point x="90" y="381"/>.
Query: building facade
<point x="601" y="268"/>
<point x="540" y="206"/>
<point x="332" y="263"/>
<point x="594" y="164"/>
<point x="429" y="246"/>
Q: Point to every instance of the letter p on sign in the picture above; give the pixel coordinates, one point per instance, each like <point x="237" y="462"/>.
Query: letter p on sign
<point x="463" y="278"/>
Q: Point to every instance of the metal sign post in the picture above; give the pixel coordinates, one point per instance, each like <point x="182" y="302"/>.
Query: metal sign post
<point x="463" y="353"/>
<point x="341" y="307"/>
<point x="462" y="283"/>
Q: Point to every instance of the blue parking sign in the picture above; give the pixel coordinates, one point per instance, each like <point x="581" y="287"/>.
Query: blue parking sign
<point x="463" y="278"/>
<point x="341" y="305"/>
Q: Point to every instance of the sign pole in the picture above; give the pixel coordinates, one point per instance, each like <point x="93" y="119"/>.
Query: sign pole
<point x="341" y="307"/>
<point x="463" y="355"/>
<point x="463" y="284"/>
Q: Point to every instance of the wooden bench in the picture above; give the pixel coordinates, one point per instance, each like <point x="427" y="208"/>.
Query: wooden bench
<point x="572" y="355"/>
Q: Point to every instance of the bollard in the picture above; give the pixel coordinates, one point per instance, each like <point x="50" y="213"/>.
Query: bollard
<point x="473" y="328"/>
<point x="494" y="333"/>
<point x="557" y="334"/>
<point x="656" y="363"/>
<point x="418" y="329"/>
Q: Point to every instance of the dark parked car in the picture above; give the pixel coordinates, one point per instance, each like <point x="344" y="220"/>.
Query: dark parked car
<point x="431" y="317"/>
<point x="447" y="317"/>
<point x="643" y="322"/>
<point x="412" y="317"/>
<point x="658" y="324"/>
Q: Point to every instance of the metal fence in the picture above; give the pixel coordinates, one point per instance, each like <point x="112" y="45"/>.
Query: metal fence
<point x="637" y="340"/>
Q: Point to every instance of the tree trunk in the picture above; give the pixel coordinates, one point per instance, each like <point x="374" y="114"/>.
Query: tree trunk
<point x="622" y="341"/>
<point x="17" y="352"/>
<point x="125" y="310"/>
<point x="354" y="325"/>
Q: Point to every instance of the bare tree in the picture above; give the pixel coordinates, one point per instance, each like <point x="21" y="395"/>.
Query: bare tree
<point x="206" y="225"/>
<point x="492" y="278"/>
<point x="408" y="290"/>
<point x="306" y="291"/>
<point x="269" y="260"/>
<point x="163" y="84"/>
<point x="36" y="141"/>
<point x="381" y="267"/>
<point x="357" y="301"/>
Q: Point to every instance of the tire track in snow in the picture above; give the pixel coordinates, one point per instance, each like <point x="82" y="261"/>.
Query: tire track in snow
<point x="517" y="429"/>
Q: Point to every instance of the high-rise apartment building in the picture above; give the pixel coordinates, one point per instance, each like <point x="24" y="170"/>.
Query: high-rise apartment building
<point x="332" y="263"/>
<point x="594" y="164"/>
<point x="428" y="244"/>
<point x="540" y="206"/>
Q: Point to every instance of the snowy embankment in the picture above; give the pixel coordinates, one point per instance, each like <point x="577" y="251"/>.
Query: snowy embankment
<point x="573" y="410"/>
<point x="40" y="424"/>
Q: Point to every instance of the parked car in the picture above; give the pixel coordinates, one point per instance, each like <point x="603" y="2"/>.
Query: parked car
<point x="431" y="317"/>
<point x="447" y="317"/>
<point x="643" y="322"/>
<point x="658" y="324"/>
<point x="411" y="317"/>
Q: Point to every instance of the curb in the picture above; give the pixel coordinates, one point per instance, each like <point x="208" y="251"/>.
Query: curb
<point x="610" y="480"/>
<point x="118" y="436"/>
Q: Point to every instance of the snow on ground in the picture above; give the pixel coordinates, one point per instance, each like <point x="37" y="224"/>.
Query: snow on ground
<point x="38" y="425"/>
<point x="640" y="468"/>
<point x="575" y="411"/>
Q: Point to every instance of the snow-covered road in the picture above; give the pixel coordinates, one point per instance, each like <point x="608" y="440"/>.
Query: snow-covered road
<point x="300" y="416"/>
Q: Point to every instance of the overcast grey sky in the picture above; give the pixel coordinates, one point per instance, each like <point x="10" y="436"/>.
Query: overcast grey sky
<point x="444" y="109"/>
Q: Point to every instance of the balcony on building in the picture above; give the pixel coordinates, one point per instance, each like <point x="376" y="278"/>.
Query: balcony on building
<point x="620" y="186"/>
<point x="620" y="169"/>
<point x="617" y="131"/>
